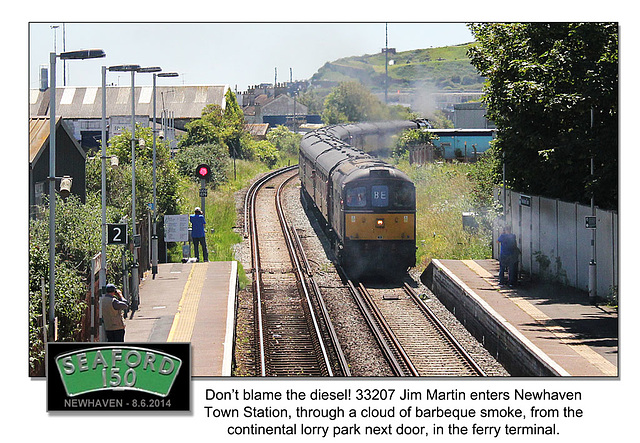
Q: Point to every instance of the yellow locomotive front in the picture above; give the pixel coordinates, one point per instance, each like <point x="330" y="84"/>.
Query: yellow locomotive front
<point x="378" y="224"/>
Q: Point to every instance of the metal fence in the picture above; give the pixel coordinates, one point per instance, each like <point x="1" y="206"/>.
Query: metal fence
<point x="556" y="244"/>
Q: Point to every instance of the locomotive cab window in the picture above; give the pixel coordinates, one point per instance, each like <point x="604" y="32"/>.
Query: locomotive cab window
<point x="357" y="197"/>
<point x="404" y="196"/>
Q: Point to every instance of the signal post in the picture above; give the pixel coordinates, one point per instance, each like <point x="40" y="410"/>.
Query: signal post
<point x="203" y="172"/>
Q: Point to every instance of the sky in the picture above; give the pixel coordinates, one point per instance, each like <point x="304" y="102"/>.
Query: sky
<point x="235" y="54"/>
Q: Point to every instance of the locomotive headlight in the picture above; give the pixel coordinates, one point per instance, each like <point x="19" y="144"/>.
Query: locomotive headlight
<point x="380" y="223"/>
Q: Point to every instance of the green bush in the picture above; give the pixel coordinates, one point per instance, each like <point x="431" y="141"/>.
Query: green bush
<point x="266" y="153"/>
<point x="212" y="154"/>
<point x="284" y="140"/>
<point x="78" y="239"/>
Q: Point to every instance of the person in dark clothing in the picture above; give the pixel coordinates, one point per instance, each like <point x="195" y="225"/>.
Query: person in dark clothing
<point x="197" y="233"/>
<point x="113" y="303"/>
<point x="509" y="253"/>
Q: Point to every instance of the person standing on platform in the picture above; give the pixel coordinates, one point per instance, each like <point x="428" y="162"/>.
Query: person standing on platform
<point x="509" y="253"/>
<point x="113" y="303"/>
<point x="197" y="234"/>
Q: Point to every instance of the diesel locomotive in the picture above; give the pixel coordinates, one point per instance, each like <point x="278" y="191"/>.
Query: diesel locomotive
<point x="368" y="206"/>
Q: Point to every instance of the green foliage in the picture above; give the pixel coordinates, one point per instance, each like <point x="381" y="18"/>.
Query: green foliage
<point x="444" y="68"/>
<point x="543" y="81"/>
<point x="443" y="193"/>
<point x="284" y="140"/>
<point x="212" y="154"/>
<point x="266" y="152"/>
<point x="312" y="100"/>
<point x="439" y="120"/>
<point x="119" y="178"/>
<point x="411" y="138"/>
<point x="352" y="102"/>
<point x="223" y="127"/>
<point x="485" y="175"/>
<point x="78" y="238"/>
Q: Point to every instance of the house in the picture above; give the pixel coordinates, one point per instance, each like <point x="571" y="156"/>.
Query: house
<point x="281" y="110"/>
<point x="70" y="159"/>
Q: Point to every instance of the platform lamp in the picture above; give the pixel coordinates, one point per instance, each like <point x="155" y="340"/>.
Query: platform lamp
<point x="154" y="235"/>
<point x="102" y="276"/>
<point x="69" y="55"/>
<point x="154" y="70"/>
<point x="134" y="268"/>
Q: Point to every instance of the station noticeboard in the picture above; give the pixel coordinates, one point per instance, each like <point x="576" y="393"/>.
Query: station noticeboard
<point x="176" y="228"/>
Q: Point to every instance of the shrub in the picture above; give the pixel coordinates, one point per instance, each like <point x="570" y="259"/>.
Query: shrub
<point x="212" y="154"/>
<point x="266" y="152"/>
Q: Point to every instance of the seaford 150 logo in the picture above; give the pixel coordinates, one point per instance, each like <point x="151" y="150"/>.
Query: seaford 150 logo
<point x="118" y="368"/>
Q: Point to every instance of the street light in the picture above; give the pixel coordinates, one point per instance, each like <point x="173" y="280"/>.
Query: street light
<point x="103" y="251"/>
<point x="72" y="55"/>
<point x="134" y="267"/>
<point x="154" y="236"/>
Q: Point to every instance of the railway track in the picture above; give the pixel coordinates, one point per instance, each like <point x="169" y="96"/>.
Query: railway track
<point x="412" y="338"/>
<point x="293" y="333"/>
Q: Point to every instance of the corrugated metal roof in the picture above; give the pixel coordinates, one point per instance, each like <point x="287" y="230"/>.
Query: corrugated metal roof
<point x="38" y="136"/>
<point x="186" y="102"/>
<point x="257" y="129"/>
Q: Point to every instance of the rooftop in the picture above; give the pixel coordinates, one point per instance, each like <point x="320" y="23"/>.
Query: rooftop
<point x="86" y="102"/>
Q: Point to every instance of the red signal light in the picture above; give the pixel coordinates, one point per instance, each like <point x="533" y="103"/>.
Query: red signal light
<point x="203" y="171"/>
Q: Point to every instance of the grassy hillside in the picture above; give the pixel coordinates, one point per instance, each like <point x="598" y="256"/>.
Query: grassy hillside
<point x="446" y="68"/>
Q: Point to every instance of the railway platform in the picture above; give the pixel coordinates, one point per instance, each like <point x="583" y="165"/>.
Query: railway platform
<point x="190" y="302"/>
<point x="534" y="328"/>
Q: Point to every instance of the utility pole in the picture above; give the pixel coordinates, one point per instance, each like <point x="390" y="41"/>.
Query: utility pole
<point x="592" y="263"/>
<point x="386" y="64"/>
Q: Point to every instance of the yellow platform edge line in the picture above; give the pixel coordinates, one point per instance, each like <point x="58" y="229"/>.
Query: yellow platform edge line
<point x="184" y="320"/>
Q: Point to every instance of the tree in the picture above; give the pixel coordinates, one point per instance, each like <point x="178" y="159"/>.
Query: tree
<point x="266" y="152"/>
<point x="312" y="100"/>
<point x="78" y="238"/>
<point x="409" y="139"/>
<point x="352" y="102"/>
<point x="119" y="179"/>
<point x="209" y="128"/>
<point x="212" y="154"/>
<point x="224" y="127"/>
<point x="284" y="140"/>
<point x="544" y="82"/>
<point x="233" y="120"/>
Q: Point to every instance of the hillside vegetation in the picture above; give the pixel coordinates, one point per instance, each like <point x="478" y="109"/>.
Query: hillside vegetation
<point x="446" y="68"/>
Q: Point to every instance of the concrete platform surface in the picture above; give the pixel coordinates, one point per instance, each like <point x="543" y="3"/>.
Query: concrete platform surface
<point x="580" y="338"/>
<point x="190" y="302"/>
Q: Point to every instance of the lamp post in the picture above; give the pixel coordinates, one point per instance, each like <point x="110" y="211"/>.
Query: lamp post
<point x="134" y="267"/>
<point x="71" y="55"/>
<point x="154" y="70"/>
<point x="154" y="235"/>
<point x="102" y="276"/>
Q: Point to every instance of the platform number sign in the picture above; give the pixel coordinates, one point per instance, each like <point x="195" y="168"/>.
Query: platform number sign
<point x="117" y="234"/>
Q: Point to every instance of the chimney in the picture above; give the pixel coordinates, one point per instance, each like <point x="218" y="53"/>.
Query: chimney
<point x="44" y="77"/>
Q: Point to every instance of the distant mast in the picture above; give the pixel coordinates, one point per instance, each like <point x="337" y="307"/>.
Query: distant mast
<point x="386" y="64"/>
